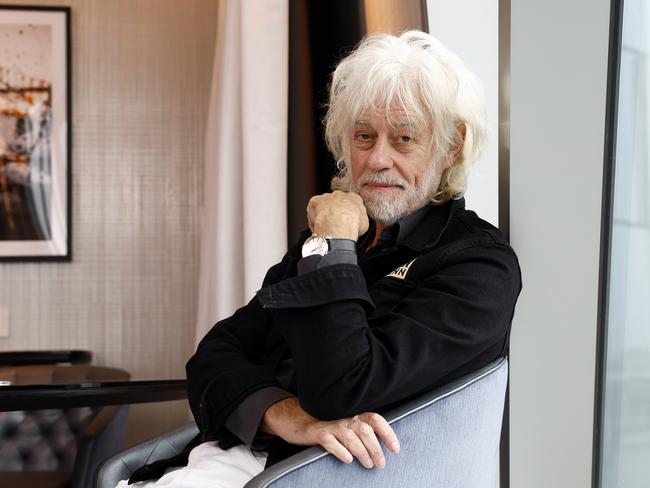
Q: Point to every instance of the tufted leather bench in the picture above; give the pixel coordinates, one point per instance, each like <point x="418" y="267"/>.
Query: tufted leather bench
<point x="39" y="448"/>
<point x="41" y="440"/>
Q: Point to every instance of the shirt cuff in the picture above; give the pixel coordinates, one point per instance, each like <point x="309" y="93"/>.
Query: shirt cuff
<point x="314" y="262"/>
<point x="245" y="420"/>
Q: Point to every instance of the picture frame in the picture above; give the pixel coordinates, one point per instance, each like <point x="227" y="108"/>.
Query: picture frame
<point x="35" y="134"/>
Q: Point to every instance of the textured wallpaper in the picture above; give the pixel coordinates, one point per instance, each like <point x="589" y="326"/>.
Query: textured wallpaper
<point x="141" y="77"/>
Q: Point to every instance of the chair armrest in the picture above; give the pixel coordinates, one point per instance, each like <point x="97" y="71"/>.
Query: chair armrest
<point x="122" y="466"/>
<point x="469" y="413"/>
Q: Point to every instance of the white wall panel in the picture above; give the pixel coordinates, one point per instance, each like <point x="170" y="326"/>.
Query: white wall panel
<point x="470" y="28"/>
<point x="559" y="70"/>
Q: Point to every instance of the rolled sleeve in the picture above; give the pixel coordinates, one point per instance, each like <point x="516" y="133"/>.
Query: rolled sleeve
<point x="326" y="285"/>
<point x="245" y="420"/>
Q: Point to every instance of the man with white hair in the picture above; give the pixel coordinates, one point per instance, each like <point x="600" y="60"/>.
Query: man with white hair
<point x="394" y="289"/>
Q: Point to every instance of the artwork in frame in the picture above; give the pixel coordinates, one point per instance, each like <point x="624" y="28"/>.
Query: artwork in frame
<point x="35" y="133"/>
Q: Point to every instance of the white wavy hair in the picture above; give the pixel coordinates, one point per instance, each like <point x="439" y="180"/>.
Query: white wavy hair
<point x="415" y="74"/>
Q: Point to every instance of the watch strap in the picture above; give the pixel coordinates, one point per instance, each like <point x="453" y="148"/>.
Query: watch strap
<point x="336" y="244"/>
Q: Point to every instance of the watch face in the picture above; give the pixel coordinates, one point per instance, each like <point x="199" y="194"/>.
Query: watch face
<point x="315" y="245"/>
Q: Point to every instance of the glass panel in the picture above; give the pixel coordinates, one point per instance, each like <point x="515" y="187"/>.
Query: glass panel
<point x="626" y="439"/>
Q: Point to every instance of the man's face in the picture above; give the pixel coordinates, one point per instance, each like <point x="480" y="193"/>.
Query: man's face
<point x="392" y="165"/>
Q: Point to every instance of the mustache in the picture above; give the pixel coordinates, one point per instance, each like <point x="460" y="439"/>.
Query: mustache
<point x="381" y="178"/>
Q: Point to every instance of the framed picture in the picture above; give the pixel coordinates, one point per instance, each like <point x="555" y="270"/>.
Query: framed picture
<point x="35" y="133"/>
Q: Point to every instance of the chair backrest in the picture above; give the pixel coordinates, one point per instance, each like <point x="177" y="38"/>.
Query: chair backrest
<point x="449" y="438"/>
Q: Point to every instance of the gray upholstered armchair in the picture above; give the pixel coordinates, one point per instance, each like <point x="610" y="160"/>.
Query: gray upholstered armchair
<point x="449" y="438"/>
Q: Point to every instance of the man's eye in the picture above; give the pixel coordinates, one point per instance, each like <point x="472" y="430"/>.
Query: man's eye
<point x="405" y="139"/>
<point x="363" y="136"/>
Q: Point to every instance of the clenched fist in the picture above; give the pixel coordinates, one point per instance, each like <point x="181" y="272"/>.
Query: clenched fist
<point x="338" y="214"/>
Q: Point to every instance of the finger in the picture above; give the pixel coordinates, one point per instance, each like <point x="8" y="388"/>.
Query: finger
<point x="352" y="443"/>
<point x="334" y="447"/>
<point x="311" y="206"/>
<point x="381" y="427"/>
<point x="357" y="198"/>
<point x="358" y="202"/>
<point x="363" y="214"/>
<point x="364" y="224"/>
<point x="367" y="435"/>
<point x="312" y="210"/>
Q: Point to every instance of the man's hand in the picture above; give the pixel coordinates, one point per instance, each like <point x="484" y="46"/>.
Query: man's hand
<point x="338" y="214"/>
<point x="345" y="438"/>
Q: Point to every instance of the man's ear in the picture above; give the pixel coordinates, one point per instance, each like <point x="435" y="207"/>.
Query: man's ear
<point x="457" y="149"/>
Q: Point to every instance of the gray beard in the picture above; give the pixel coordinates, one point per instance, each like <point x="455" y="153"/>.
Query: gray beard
<point x="395" y="205"/>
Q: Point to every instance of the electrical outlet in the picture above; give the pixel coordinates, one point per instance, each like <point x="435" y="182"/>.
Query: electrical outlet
<point x="4" y="321"/>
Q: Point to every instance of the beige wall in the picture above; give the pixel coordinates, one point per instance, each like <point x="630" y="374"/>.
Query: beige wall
<point x="394" y="16"/>
<point x="141" y="75"/>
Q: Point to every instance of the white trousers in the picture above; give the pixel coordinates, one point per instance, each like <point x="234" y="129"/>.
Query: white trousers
<point x="209" y="466"/>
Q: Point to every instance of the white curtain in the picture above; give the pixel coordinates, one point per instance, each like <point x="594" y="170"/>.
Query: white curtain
<point x="244" y="219"/>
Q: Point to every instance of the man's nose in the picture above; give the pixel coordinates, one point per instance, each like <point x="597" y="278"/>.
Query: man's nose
<point x="380" y="157"/>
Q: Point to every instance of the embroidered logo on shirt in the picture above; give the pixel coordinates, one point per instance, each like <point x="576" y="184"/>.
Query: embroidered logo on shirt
<point x="400" y="273"/>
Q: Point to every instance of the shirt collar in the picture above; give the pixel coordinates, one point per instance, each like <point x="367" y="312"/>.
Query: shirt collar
<point x="419" y="230"/>
<point x="408" y="224"/>
<point x="431" y="225"/>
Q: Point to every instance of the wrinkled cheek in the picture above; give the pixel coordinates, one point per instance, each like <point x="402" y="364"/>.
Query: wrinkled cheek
<point x="356" y="169"/>
<point x="354" y="182"/>
<point x="356" y="176"/>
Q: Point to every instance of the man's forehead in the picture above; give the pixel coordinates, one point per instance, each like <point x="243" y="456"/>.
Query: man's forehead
<point x="394" y="118"/>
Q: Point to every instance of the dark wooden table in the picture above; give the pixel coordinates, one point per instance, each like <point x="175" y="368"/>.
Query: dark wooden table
<point x="89" y="394"/>
<point x="43" y="386"/>
<point x="18" y="358"/>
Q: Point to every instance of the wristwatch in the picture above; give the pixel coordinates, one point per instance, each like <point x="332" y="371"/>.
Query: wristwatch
<point x="320" y="245"/>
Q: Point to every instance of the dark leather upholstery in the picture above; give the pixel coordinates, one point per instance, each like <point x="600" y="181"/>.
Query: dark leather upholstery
<point x="123" y="465"/>
<point x="41" y="440"/>
<point x="58" y="446"/>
